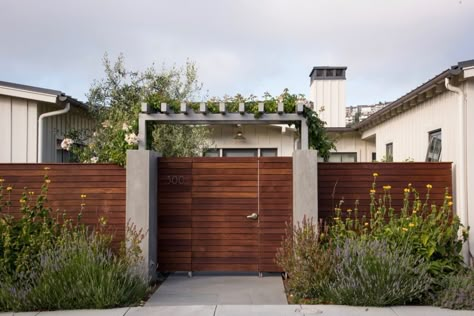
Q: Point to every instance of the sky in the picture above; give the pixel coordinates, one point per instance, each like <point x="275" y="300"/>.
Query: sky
<point x="239" y="46"/>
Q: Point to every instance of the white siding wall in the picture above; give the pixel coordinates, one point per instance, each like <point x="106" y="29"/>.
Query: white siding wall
<point x="470" y="161"/>
<point x="256" y="136"/>
<point x="409" y="134"/>
<point x="352" y="143"/>
<point x="409" y="131"/>
<point x="330" y="94"/>
<point x="56" y="126"/>
<point x="18" y="137"/>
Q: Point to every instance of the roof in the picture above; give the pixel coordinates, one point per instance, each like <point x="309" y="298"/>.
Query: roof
<point x="429" y="88"/>
<point x="43" y="91"/>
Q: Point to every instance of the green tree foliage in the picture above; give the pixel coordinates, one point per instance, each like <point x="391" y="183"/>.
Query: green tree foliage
<point x="115" y="103"/>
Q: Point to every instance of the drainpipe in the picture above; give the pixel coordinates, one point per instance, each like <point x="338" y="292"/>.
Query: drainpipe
<point x="461" y="171"/>
<point x="41" y="118"/>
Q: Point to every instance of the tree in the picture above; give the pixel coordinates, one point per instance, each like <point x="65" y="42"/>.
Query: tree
<point x="115" y="103"/>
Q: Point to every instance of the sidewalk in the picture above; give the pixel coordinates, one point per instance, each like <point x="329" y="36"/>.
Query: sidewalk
<point x="248" y="310"/>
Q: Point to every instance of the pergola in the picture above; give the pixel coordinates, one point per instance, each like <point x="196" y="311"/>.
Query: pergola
<point x="187" y="115"/>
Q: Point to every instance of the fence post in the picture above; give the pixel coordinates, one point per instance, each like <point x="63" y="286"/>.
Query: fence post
<point x="141" y="204"/>
<point x="305" y="185"/>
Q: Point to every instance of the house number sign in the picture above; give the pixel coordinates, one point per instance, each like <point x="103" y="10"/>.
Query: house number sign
<point x="175" y="180"/>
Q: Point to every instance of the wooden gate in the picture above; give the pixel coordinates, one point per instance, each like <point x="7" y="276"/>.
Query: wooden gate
<point x="222" y="214"/>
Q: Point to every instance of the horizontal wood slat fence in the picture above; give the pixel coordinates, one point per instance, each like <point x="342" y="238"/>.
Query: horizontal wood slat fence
<point x="203" y="204"/>
<point x="352" y="181"/>
<point x="103" y="185"/>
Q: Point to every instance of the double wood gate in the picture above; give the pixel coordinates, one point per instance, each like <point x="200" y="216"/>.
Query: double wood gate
<point x="222" y="214"/>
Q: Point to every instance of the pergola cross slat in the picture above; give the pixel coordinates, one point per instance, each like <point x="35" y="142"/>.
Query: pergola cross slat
<point x="203" y="116"/>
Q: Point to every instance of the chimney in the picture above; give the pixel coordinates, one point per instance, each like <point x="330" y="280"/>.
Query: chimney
<point x="328" y="93"/>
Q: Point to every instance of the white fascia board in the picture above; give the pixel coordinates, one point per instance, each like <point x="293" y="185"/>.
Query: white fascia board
<point x="30" y="95"/>
<point x="468" y="72"/>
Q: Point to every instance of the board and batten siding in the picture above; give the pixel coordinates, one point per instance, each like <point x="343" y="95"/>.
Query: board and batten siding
<point x="329" y="97"/>
<point x="351" y="143"/>
<point x="18" y="136"/>
<point x="19" y="129"/>
<point x="256" y="136"/>
<point x="409" y="131"/>
<point x="56" y="126"/>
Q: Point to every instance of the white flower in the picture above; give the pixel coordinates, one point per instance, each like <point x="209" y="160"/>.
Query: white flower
<point x="67" y="143"/>
<point x="105" y="124"/>
<point x="125" y="127"/>
<point x="94" y="159"/>
<point x="94" y="134"/>
<point x="131" y="139"/>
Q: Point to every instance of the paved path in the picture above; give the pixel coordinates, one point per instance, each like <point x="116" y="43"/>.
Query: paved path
<point x="259" y="310"/>
<point x="218" y="289"/>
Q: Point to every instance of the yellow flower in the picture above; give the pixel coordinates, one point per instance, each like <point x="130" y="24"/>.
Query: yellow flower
<point x="2" y="180"/>
<point x="372" y="191"/>
<point x="387" y="187"/>
<point x="46" y="168"/>
<point x="336" y="218"/>
<point x="366" y="224"/>
<point x="411" y="225"/>
<point x="9" y="189"/>
<point x="83" y="196"/>
<point x="102" y="221"/>
<point x="409" y="185"/>
<point x="429" y="186"/>
<point x="83" y="204"/>
<point x="378" y="212"/>
<point x="449" y="197"/>
<point x="349" y="210"/>
<point x="406" y="190"/>
<point x="450" y="203"/>
<point x="321" y="236"/>
<point x="31" y="193"/>
<point x="405" y="229"/>
<point x="47" y="181"/>
<point x="22" y="201"/>
<point x="414" y="211"/>
<point x="375" y="174"/>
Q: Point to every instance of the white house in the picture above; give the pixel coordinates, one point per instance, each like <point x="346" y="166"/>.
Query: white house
<point x="432" y="122"/>
<point x="33" y="122"/>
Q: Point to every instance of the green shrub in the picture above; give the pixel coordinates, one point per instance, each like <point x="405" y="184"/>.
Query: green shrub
<point x="372" y="273"/>
<point x="430" y="230"/>
<point x="47" y="262"/>
<point x="458" y="291"/>
<point x="81" y="272"/>
<point x="308" y="264"/>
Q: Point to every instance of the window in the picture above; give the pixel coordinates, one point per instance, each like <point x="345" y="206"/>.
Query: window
<point x="339" y="73"/>
<point x="211" y="153"/>
<point x="240" y="152"/>
<point x="434" y="146"/>
<point x="329" y="73"/>
<point x="389" y="152"/>
<point x="268" y="152"/>
<point x="374" y="156"/>
<point x="319" y="72"/>
<point x="343" y="157"/>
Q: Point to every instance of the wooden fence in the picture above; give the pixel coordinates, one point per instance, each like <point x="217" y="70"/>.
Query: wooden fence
<point x="103" y="185"/>
<point x="353" y="181"/>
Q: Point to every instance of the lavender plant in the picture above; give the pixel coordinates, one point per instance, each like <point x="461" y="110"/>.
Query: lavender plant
<point x="372" y="273"/>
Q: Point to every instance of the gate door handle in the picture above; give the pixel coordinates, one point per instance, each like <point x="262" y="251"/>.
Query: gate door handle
<point x="252" y="216"/>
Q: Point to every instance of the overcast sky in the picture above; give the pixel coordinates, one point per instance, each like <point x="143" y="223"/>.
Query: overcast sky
<point x="239" y="46"/>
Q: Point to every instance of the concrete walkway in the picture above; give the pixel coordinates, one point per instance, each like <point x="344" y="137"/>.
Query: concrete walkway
<point x="260" y="310"/>
<point x="219" y="289"/>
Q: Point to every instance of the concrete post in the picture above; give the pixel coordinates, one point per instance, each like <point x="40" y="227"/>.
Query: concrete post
<point x="305" y="185"/>
<point x="141" y="204"/>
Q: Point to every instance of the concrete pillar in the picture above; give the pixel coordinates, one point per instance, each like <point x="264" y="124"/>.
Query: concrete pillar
<point x="141" y="205"/>
<point x="305" y="185"/>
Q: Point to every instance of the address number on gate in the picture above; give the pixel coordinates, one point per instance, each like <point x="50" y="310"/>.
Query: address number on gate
<point x="175" y="180"/>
